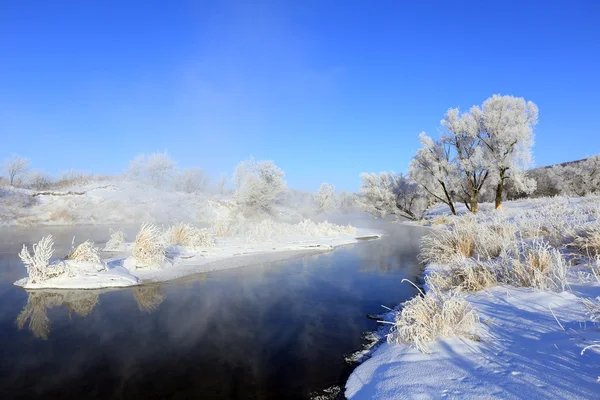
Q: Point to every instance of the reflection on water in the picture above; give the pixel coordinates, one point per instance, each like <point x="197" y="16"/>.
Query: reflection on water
<point x="38" y="302"/>
<point x="80" y="302"/>
<point x="148" y="298"/>
<point x="272" y="331"/>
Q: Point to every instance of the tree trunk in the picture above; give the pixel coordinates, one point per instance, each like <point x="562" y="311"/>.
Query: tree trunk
<point x="499" y="190"/>
<point x="474" y="203"/>
<point x="499" y="194"/>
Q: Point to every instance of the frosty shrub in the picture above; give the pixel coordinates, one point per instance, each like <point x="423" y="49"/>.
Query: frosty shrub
<point x="437" y="314"/>
<point x="38" y="265"/>
<point x="259" y="184"/>
<point x="534" y="264"/>
<point x="149" y="248"/>
<point x="39" y="180"/>
<point x="157" y="168"/>
<point x="182" y="234"/>
<point x="467" y="275"/>
<point x="117" y="238"/>
<point x="85" y="252"/>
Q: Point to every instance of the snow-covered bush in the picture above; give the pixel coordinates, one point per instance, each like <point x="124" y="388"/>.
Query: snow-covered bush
<point x="38" y="265"/>
<point x="39" y="180"/>
<point x="258" y="184"/>
<point x="192" y="180"/>
<point x="117" y="238"/>
<point x="149" y="247"/>
<point x="72" y="178"/>
<point x="325" y="198"/>
<point x="186" y="235"/>
<point x="434" y="315"/>
<point x="84" y="252"/>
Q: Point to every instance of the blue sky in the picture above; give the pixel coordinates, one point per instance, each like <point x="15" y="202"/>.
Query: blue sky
<point x="325" y="89"/>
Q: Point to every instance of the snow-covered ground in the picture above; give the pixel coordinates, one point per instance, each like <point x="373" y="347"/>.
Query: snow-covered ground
<point x="529" y="342"/>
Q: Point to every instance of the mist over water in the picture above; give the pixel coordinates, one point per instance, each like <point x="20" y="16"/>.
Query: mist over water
<point x="269" y="331"/>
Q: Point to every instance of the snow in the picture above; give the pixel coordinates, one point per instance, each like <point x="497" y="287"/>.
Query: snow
<point x="531" y="341"/>
<point x="523" y="353"/>
<point x="121" y="270"/>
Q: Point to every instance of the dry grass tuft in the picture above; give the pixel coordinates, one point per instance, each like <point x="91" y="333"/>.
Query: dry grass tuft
<point x="149" y="247"/>
<point x="534" y="264"/>
<point x="448" y="245"/>
<point x="182" y="234"/>
<point x="85" y="252"/>
<point x="62" y="215"/>
<point x="468" y="276"/>
<point x="588" y="239"/>
<point x="437" y="314"/>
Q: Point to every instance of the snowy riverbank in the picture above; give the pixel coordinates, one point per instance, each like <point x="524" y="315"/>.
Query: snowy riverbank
<point x="531" y="340"/>
<point x="120" y="266"/>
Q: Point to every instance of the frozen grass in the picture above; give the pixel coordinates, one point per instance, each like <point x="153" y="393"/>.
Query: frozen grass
<point x="149" y="248"/>
<point x="434" y="315"/>
<point x="587" y="239"/>
<point x="38" y="264"/>
<point x="85" y="252"/>
<point x="534" y="264"/>
<point x="467" y="238"/>
<point x="186" y="235"/>
<point x="467" y="275"/>
<point x="116" y="241"/>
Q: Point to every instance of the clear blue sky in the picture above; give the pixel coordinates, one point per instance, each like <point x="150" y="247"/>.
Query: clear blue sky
<point x="325" y="89"/>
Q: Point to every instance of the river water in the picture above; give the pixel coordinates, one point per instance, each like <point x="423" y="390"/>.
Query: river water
<point x="276" y="330"/>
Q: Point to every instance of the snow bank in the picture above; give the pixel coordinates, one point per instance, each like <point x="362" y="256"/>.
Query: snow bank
<point x="535" y="288"/>
<point x="182" y="250"/>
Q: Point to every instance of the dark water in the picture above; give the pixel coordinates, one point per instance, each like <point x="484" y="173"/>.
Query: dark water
<point x="272" y="331"/>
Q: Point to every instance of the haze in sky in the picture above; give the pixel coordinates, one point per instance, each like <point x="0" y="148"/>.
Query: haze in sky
<point x="326" y="89"/>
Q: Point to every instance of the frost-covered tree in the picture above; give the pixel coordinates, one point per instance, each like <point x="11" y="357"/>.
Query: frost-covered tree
<point x="39" y="180"/>
<point x="470" y="158"/>
<point x="577" y="178"/>
<point x="432" y="168"/>
<point x="258" y="185"/>
<point x="506" y="132"/>
<point x="347" y="201"/>
<point x="156" y="168"/>
<point x="390" y="194"/>
<point x="16" y="167"/>
<point x="192" y="180"/>
<point x="325" y="197"/>
<point x="221" y="182"/>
